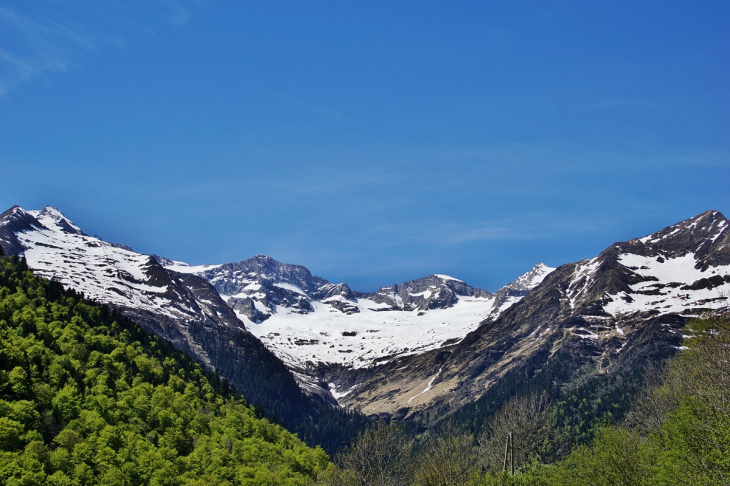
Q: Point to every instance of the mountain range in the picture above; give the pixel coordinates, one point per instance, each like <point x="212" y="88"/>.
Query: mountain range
<point x="307" y="320"/>
<point x="422" y="348"/>
<point x="616" y="313"/>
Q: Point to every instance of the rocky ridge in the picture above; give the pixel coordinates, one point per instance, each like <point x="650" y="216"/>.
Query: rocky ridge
<point x="618" y="311"/>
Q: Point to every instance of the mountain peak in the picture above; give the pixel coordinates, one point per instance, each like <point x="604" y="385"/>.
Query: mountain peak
<point x="707" y="222"/>
<point x="712" y="213"/>
<point x="530" y="279"/>
<point x="518" y="288"/>
<point x="13" y="221"/>
<point x="51" y="216"/>
<point x="13" y="213"/>
<point x="699" y="226"/>
<point x="52" y="210"/>
<point x="275" y="269"/>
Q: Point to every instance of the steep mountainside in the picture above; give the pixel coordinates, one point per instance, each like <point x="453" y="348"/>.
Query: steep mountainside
<point x="169" y="304"/>
<point x="179" y="307"/>
<point x="618" y="311"/>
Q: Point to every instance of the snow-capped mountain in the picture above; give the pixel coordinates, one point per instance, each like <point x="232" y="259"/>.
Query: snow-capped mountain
<point x="112" y="274"/>
<point x="514" y="291"/>
<point x="180" y="307"/>
<point x="304" y="319"/>
<point x="619" y="311"/>
<point x="431" y="292"/>
<point x="677" y="270"/>
<point x="260" y="287"/>
<point x="404" y="349"/>
<point x="307" y="320"/>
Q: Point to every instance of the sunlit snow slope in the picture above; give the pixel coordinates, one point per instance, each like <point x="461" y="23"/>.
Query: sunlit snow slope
<point x="58" y="249"/>
<point x="357" y="339"/>
<point x="680" y="269"/>
<point x="306" y="320"/>
<point x="113" y="274"/>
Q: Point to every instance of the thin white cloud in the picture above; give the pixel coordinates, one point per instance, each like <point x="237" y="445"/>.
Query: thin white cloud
<point x="445" y="233"/>
<point x="33" y="46"/>
<point x="55" y="37"/>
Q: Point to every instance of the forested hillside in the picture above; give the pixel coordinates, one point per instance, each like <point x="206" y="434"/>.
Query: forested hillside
<point x="180" y="308"/>
<point x="677" y="431"/>
<point x="87" y="398"/>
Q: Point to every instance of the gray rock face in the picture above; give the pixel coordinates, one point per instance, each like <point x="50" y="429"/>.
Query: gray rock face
<point x="232" y="278"/>
<point x="706" y="236"/>
<point x="526" y="282"/>
<point x="684" y="256"/>
<point x="13" y="221"/>
<point x="432" y="292"/>
<point x="329" y="290"/>
<point x="256" y="287"/>
<point x="516" y="290"/>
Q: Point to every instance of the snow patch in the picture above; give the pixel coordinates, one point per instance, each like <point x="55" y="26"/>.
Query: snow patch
<point x="430" y="384"/>
<point x="654" y="293"/>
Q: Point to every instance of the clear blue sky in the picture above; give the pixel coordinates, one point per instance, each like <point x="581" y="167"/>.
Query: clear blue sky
<point x="373" y="142"/>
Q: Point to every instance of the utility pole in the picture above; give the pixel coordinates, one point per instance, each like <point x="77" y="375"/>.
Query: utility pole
<point x="512" y="453"/>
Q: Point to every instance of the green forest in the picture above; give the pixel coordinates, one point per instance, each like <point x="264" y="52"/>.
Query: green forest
<point x="88" y="398"/>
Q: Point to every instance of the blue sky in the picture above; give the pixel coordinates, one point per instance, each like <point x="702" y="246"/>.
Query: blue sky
<point x="373" y="142"/>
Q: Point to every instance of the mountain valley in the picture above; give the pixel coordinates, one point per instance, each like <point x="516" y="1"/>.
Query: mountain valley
<point x="425" y="348"/>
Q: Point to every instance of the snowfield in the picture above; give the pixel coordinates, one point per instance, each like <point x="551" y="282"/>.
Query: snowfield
<point x="101" y="271"/>
<point x="359" y="339"/>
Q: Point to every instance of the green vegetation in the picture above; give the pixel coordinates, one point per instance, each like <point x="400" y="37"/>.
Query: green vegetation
<point x="87" y="398"/>
<point x="676" y="432"/>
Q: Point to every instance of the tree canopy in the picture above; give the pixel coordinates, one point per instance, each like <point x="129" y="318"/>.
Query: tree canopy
<point x="88" y="398"/>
